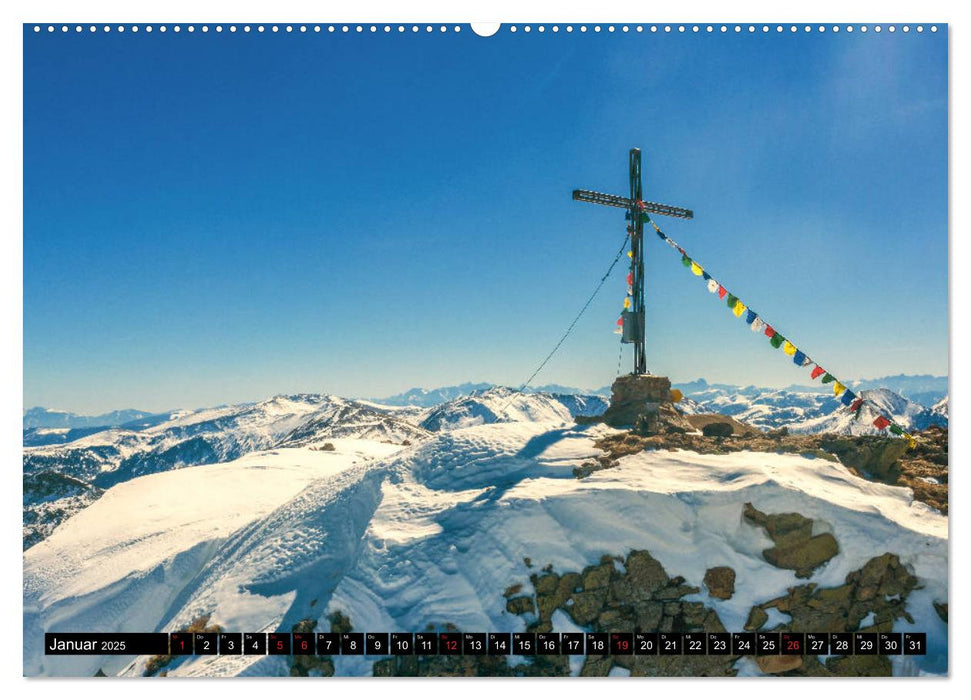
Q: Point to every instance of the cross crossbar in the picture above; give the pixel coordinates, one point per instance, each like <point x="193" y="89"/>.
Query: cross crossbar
<point x="632" y="318"/>
<point x="612" y="200"/>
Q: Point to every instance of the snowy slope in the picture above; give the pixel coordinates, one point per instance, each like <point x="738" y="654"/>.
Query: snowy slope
<point x="434" y="533"/>
<point x="121" y="563"/>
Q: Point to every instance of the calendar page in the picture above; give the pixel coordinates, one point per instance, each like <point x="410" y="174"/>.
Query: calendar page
<point x="548" y="349"/>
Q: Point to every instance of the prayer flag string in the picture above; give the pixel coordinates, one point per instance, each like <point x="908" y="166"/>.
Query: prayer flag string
<point x="800" y="358"/>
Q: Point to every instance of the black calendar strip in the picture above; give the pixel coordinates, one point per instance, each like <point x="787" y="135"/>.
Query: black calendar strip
<point x="491" y="643"/>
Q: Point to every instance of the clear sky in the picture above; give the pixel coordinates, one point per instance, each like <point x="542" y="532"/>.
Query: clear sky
<point x="212" y="218"/>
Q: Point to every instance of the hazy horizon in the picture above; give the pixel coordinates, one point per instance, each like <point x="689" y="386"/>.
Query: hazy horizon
<point x="255" y="399"/>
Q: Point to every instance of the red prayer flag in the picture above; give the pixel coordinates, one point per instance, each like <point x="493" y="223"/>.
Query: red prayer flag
<point x="855" y="406"/>
<point x="769" y="331"/>
<point x="722" y="292"/>
<point x="880" y="423"/>
<point x="630" y="278"/>
<point x="620" y="321"/>
<point x="817" y="370"/>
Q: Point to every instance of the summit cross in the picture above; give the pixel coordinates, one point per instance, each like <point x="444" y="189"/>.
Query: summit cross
<point x="637" y="209"/>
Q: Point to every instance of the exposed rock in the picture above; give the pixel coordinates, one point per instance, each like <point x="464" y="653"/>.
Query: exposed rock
<point x="875" y="455"/>
<point x="778" y="664"/>
<point x="720" y="582"/>
<point x="804" y="557"/>
<point x="520" y="605"/>
<point x="756" y="618"/>
<point x="700" y="421"/>
<point x="718" y="429"/>
<point x="878" y="590"/>
<point x="796" y="547"/>
<point x="639" y="596"/>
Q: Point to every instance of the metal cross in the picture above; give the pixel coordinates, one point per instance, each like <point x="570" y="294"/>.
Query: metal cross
<point x="637" y="209"/>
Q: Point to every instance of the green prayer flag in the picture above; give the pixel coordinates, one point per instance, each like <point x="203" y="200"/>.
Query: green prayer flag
<point x="827" y="378"/>
<point x="896" y="429"/>
<point x="777" y="340"/>
<point x="686" y="261"/>
<point x="731" y="301"/>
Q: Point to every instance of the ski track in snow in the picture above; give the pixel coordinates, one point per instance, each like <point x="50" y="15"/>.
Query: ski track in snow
<point x="400" y="538"/>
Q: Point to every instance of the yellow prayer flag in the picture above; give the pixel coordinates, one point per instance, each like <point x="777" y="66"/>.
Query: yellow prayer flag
<point x="696" y="268"/>
<point x="626" y="302"/>
<point x="739" y="308"/>
<point x="838" y="388"/>
<point x="630" y="254"/>
<point x="911" y="441"/>
<point x="788" y="348"/>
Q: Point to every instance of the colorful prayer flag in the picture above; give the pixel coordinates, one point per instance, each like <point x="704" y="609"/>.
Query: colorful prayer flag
<point x="817" y="370"/>
<point x="911" y="440"/>
<point x="758" y="325"/>
<point x="856" y="405"/>
<point x="848" y="398"/>
<point x="799" y="359"/>
<point x="880" y="423"/>
<point x="739" y="309"/>
<point x="827" y="378"/>
<point x="731" y="301"/>
<point x="838" y="388"/>
<point x="630" y="254"/>
<point x="769" y="331"/>
<point x="777" y="340"/>
<point x="685" y="260"/>
<point x="696" y="269"/>
<point x="789" y="349"/>
<point x="750" y="317"/>
<point x="620" y="321"/>
<point x="671" y="243"/>
<point x="896" y="429"/>
<point x="706" y="276"/>
<point x="712" y="286"/>
<point x="630" y="278"/>
<point x="626" y="302"/>
<point x="722" y="292"/>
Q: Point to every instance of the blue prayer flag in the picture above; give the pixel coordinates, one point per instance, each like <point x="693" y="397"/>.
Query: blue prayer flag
<point x="847" y="397"/>
<point x="799" y="358"/>
<point x="750" y="317"/>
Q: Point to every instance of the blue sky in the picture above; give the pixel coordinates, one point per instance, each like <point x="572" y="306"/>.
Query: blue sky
<point x="219" y="218"/>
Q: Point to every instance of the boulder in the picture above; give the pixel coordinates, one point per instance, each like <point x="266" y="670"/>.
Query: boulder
<point x="778" y="664"/>
<point x="720" y="582"/>
<point x="796" y="547"/>
<point x="717" y="430"/>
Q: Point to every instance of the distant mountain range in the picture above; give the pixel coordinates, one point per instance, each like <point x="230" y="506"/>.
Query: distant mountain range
<point x="51" y="418"/>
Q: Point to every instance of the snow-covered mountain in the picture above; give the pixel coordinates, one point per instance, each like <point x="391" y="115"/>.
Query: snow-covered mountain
<point x="405" y="537"/>
<point x="427" y="398"/>
<point x="807" y="409"/>
<point x="501" y="404"/>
